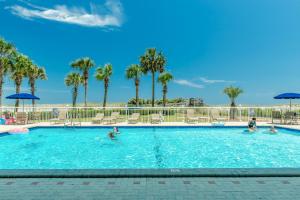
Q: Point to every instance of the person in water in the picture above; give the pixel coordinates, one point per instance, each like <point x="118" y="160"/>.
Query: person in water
<point x="116" y="130"/>
<point x="273" y="130"/>
<point x="252" y="125"/>
<point x="111" y="135"/>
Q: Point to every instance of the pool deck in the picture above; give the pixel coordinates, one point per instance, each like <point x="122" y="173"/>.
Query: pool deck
<point x="226" y="184"/>
<point x="6" y="128"/>
<point x="150" y="188"/>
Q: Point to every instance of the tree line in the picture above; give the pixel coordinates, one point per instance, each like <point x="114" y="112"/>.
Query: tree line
<point x="17" y="67"/>
<point x="152" y="62"/>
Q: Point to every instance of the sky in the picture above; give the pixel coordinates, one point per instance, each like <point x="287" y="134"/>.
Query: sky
<point x="209" y="45"/>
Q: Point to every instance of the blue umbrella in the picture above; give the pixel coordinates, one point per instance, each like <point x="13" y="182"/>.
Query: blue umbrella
<point x="23" y="96"/>
<point x="289" y="96"/>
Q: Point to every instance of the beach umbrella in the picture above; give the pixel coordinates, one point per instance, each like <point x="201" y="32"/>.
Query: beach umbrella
<point x="23" y="96"/>
<point x="289" y="96"/>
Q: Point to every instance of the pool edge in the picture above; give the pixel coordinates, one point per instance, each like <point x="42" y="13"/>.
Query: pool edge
<point x="155" y="173"/>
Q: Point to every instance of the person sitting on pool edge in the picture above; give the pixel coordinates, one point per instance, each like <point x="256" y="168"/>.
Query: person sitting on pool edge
<point x="252" y="125"/>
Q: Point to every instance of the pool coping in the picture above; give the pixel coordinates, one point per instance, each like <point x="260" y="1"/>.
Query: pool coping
<point x="151" y="173"/>
<point x="35" y="126"/>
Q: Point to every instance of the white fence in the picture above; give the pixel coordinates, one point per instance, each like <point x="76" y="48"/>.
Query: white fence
<point x="168" y="114"/>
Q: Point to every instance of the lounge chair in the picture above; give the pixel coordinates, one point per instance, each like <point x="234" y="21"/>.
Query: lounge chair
<point x="36" y="116"/>
<point x="276" y="116"/>
<point x="112" y="119"/>
<point x="74" y="119"/>
<point x="134" y="118"/>
<point x="190" y="116"/>
<point x="98" y="118"/>
<point x="62" y="118"/>
<point x="21" y="118"/>
<point x="290" y="118"/>
<point x="155" y="119"/>
<point x="216" y="117"/>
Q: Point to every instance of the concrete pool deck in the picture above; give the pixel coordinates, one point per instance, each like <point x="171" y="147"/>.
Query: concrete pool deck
<point x="6" y="128"/>
<point x="150" y="188"/>
<point x="220" y="184"/>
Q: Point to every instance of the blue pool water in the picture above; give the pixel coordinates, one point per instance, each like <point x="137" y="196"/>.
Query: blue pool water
<point x="90" y="148"/>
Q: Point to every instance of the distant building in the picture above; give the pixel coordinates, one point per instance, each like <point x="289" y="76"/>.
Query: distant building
<point x="195" y="102"/>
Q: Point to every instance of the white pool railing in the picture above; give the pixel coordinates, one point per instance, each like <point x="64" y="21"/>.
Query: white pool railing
<point x="168" y="114"/>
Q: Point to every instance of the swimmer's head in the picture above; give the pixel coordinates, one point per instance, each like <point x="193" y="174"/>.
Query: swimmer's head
<point x="273" y="127"/>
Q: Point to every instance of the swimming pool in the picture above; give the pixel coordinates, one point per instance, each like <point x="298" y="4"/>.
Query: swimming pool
<point x="150" y="147"/>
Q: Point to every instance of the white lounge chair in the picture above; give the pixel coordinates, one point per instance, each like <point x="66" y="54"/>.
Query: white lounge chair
<point x="290" y="118"/>
<point x="62" y="118"/>
<point x="216" y="117"/>
<point x="98" y="118"/>
<point x="190" y="116"/>
<point x="21" y="118"/>
<point x="112" y="119"/>
<point x="134" y="118"/>
<point x="34" y="117"/>
<point x="277" y="116"/>
<point x="155" y="119"/>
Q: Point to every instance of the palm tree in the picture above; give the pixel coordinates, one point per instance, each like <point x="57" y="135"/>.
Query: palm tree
<point x="7" y="52"/>
<point x="74" y="79"/>
<point x="152" y="62"/>
<point x="135" y="72"/>
<point x="232" y="93"/>
<point x="35" y="73"/>
<point x="164" y="79"/>
<point x="104" y="74"/>
<point x="18" y="72"/>
<point x="84" y="65"/>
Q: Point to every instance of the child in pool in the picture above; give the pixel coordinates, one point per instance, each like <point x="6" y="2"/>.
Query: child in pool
<point x="116" y="130"/>
<point x="111" y="135"/>
<point x="273" y="130"/>
<point x="252" y="125"/>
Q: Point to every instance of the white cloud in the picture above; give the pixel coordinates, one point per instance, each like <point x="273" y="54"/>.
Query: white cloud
<point x="209" y="81"/>
<point x="188" y="83"/>
<point x="112" y="15"/>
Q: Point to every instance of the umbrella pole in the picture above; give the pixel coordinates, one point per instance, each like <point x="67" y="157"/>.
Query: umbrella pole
<point x="23" y="104"/>
<point x="290" y="104"/>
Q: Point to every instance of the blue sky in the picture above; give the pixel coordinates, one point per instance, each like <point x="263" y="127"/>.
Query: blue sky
<point x="253" y="44"/>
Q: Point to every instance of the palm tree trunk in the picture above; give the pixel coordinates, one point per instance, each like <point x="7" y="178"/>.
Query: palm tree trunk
<point x="105" y="94"/>
<point x="85" y="82"/>
<point x="232" y="110"/>
<point x="85" y="92"/>
<point x="153" y="88"/>
<point x="165" y="90"/>
<point x="74" y="99"/>
<point x="32" y="88"/>
<point x="18" y="88"/>
<point x="136" y="93"/>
